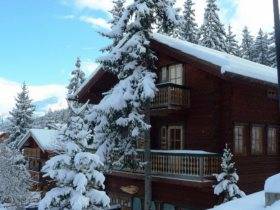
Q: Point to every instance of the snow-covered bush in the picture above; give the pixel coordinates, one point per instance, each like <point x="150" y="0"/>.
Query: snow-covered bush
<point x="14" y="177"/>
<point x="76" y="169"/>
<point x="227" y="179"/>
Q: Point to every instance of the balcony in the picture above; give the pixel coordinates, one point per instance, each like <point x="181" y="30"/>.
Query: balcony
<point x="31" y="152"/>
<point x="184" y="164"/>
<point x="171" y="96"/>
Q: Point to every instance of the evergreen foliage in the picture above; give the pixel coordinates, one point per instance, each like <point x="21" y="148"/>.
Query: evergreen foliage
<point x="212" y="33"/>
<point x="21" y="117"/>
<point x="247" y="45"/>
<point x="119" y="118"/>
<point x="261" y="49"/>
<point x="272" y="51"/>
<point x="77" y="79"/>
<point x="231" y="43"/>
<point x="189" y="28"/>
<point x="227" y="179"/>
<point x="15" y="184"/>
<point x="76" y="170"/>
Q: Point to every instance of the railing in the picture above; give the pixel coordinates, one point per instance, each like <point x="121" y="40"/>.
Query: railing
<point x="35" y="176"/>
<point x="171" y="95"/>
<point x="31" y="152"/>
<point x="181" y="163"/>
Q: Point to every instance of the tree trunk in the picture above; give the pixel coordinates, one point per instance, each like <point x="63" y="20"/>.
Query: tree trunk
<point x="147" y="155"/>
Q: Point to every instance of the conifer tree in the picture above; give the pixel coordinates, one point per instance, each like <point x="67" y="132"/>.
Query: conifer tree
<point x="247" y="45"/>
<point x="77" y="79"/>
<point x="119" y="118"/>
<point x="21" y="117"/>
<point x="116" y="13"/>
<point x="231" y="43"/>
<point x="75" y="170"/>
<point x="189" y="28"/>
<point x="15" y="179"/>
<point x="212" y="33"/>
<point x="227" y="179"/>
<point x="272" y="51"/>
<point x="163" y="21"/>
<point x="261" y="48"/>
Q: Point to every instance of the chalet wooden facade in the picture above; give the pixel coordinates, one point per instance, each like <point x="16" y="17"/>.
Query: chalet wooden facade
<point x="205" y="99"/>
<point x="37" y="146"/>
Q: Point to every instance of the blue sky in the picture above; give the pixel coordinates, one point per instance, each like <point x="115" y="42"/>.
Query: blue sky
<point x="39" y="43"/>
<point x="40" y="40"/>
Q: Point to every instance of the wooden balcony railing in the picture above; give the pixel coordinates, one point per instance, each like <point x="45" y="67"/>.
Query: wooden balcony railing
<point x="35" y="176"/>
<point x="181" y="163"/>
<point x="31" y="152"/>
<point x="171" y="96"/>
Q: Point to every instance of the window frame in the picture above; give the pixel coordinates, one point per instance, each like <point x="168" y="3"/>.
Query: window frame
<point x="176" y="127"/>
<point x="244" y="144"/>
<point x="253" y="151"/>
<point x="269" y="153"/>
<point x="168" y="74"/>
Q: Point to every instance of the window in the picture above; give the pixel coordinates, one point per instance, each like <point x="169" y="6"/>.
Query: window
<point x="257" y="140"/>
<point x="239" y="139"/>
<point x="272" y="141"/>
<point x="172" y="74"/>
<point x="163" y="137"/>
<point x="175" y="140"/>
<point x="176" y="74"/>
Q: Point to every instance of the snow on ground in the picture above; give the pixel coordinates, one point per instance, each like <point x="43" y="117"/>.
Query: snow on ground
<point x="272" y="184"/>
<point x="254" y="201"/>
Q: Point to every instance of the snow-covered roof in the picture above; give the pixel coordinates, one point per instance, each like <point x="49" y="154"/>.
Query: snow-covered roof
<point x="227" y="62"/>
<point x="190" y="152"/>
<point x="254" y="201"/>
<point x="87" y="81"/>
<point x="46" y="139"/>
<point x="272" y="184"/>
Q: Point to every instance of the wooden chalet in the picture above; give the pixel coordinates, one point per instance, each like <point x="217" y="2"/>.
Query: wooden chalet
<point x="37" y="146"/>
<point x="205" y="99"/>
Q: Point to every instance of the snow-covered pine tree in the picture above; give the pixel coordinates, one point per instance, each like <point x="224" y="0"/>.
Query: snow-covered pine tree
<point x="189" y="28"/>
<point x="163" y="21"/>
<point x="119" y="117"/>
<point x="21" y="117"/>
<point x="231" y="43"/>
<point x="261" y="49"/>
<point x="212" y="33"/>
<point x="228" y="178"/>
<point x="76" y="170"/>
<point x="116" y="13"/>
<point x="247" y="45"/>
<point x="77" y="79"/>
<point x="272" y="51"/>
<point x="15" y="184"/>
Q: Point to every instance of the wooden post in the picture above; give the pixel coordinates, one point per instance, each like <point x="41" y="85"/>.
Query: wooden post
<point x="277" y="42"/>
<point x="147" y="155"/>
<point x="201" y="167"/>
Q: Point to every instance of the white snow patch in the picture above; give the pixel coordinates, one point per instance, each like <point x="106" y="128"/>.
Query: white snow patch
<point x="254" y="201"/>
<point x="272" y="184"/>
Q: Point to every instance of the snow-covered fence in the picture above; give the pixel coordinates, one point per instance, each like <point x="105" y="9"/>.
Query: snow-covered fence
<point x="181" y="163"/>
<point x="170" y="94"/>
